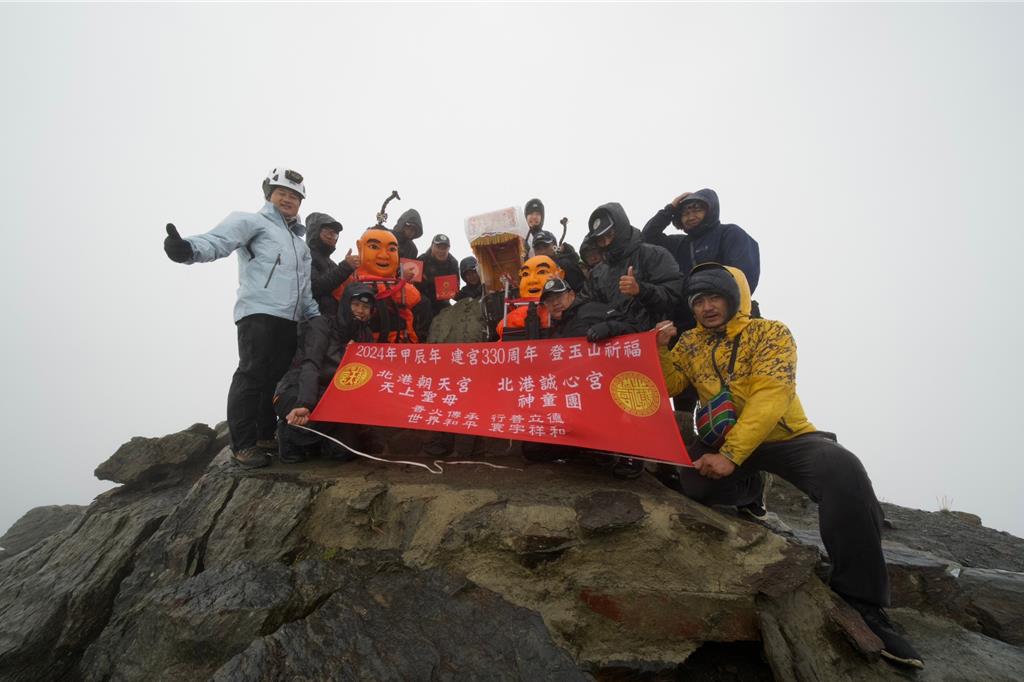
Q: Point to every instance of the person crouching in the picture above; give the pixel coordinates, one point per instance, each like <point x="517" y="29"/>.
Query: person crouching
<point x="316" y="361"/>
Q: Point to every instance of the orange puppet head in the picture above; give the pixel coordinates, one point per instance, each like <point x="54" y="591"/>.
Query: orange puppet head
<point x="378" y="253"/>
<point x="534" y="273"/>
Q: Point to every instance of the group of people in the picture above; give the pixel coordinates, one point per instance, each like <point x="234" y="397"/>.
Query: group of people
<point x="722" y="362"/>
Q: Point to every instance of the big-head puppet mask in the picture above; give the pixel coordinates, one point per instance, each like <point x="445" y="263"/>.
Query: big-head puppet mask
<point x="534" y="273"/>
<point x="378" y="253"/>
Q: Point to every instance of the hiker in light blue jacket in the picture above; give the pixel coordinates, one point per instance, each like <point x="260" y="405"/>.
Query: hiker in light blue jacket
<point x="274" y="294"/>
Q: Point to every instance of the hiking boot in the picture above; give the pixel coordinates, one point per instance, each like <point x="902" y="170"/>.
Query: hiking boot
<point x="627" y="467"/>
<point x="250" y="458"/>
<point x="758" y="509"/>
<point x="895" y="647"/>
<point x="268" y="444"/>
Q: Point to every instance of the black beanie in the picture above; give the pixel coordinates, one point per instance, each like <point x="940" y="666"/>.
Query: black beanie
<point x="534" y="206"/>
<point x="715" y="279"/>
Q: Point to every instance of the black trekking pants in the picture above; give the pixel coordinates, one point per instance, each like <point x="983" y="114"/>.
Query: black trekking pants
<point x="292" y="441"/>
<point x="849" y="516"/>
<point x="266" y="345"/>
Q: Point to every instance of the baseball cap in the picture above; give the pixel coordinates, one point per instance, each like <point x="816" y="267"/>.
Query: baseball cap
<point x="555" y="285"/>
<point x="601" y="223"/>
<point x="544" y="237"/>
<point x="441" y="239"/>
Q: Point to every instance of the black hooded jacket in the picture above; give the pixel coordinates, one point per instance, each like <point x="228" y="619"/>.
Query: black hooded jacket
<point x="406" y="248"/>
<point x="578" y="318"/>
<point x="325" y="274"/>
<point x="661" y="284"/>
<point x="321" y="349"/>
<point x="709" y="242"/>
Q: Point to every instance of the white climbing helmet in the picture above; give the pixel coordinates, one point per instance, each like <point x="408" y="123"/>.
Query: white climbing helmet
<point x="283" y="177"/>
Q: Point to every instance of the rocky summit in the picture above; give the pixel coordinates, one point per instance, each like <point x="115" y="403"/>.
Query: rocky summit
<point x="193" y="569"/>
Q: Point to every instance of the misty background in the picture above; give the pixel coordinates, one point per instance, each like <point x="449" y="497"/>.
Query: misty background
<point x="873" y="151"/>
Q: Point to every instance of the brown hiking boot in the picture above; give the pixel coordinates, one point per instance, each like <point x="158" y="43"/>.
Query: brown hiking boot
<point x="250" y="458"/>
<point x="269" y="444"/>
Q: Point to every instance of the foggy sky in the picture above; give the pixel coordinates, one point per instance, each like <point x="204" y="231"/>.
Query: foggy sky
<point x="873" y="151"/>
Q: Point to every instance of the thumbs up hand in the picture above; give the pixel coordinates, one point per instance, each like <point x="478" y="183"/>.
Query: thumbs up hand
<point x="176" y="248"/>
<point x="628" y="284"/>
<point x="352" y="259"/>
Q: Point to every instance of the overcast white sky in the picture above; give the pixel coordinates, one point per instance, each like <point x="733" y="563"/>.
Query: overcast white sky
<point x="873" y="151"/>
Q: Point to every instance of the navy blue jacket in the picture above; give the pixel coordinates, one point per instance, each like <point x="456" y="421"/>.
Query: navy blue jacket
<point x="709" y="242"/>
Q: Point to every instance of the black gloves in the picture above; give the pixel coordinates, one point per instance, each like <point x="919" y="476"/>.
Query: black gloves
<point x="599" y="332"/>
<point x="177" y="249"/>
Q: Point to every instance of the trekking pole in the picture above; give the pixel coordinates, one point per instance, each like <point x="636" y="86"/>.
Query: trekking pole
<point x="565" y="226"/>
<point x="382" y="215"/>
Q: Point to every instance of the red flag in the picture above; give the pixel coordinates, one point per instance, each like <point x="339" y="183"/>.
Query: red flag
<point x="606" y="396"/>
<point x="446" y="286"/>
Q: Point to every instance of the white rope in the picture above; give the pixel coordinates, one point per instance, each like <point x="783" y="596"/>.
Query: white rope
<point x="434" y="468"/>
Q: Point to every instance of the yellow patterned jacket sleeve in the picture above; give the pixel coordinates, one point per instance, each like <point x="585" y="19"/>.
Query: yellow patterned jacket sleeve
<point x="766" y="389"/>
<point x="675" y="379"/>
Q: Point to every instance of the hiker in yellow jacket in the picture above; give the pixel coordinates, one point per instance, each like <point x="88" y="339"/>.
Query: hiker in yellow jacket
<point x="750" y="420"/>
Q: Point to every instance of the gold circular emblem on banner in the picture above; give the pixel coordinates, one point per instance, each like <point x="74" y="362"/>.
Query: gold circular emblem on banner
<point x="635" y="394"/>
<point x="352" y="376"/>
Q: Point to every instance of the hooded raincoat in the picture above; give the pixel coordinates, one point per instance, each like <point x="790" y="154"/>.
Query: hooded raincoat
<point x="406" y="247"/>
<point x="763" y="383"/>
<point x="321" y="349"/>
<point x="709" y="242"/>
<point x="326" y="275"/>
<point x="661" y="284"/>
<point x="273" y="263"/>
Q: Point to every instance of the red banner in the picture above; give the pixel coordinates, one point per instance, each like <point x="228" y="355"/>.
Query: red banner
<point x="446" y="286"/>
<point x="606" y="396"/>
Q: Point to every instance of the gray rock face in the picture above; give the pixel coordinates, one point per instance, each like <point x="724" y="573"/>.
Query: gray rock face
<point x="410" y="625"/>
<point x="37" y="525"/>
<point x="988" y="601"/>
<point x="365" y="571"/>
<point x="55" y="598"/>
<point x="166" y="460"/>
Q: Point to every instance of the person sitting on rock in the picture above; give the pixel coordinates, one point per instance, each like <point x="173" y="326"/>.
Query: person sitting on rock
<point x="322" y="233"/>
<point x="474" y="288"/>
<point x="324" y="340"/>
<point x="750" y="420"/>
<point x="574" y="316"/>
<point x="639" y="280"/>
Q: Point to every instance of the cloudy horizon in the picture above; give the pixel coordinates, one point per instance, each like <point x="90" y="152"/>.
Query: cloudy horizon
<point x="872" y="150"/>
